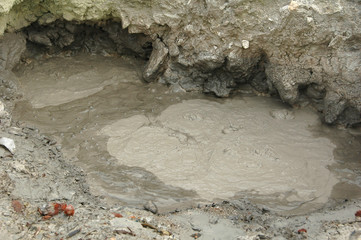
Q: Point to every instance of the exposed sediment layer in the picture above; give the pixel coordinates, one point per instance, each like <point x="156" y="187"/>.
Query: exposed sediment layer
<point x="301" y="50"/>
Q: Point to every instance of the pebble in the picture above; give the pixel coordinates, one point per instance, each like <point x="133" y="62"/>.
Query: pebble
<point x="213" y="220"/>
<point x="245" y="44"/>
<point x="282" y="114"/>
<point x="16" y="131"/>
<point x="151" y="207"/>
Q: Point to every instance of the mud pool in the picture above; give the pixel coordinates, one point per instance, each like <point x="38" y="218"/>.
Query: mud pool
<point x="140" y="142"/>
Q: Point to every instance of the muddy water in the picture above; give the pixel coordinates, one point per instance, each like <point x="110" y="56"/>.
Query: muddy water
<point x="138" y="141"/>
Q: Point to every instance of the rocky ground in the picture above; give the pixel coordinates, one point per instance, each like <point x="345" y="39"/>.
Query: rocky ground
<point x="36" y="176"/>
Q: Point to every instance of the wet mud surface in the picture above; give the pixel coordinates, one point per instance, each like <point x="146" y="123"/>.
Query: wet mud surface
<point x="140" y="142"/>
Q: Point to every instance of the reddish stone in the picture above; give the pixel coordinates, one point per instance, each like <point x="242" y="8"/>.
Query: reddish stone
<point x="302" y="230"/>
<point x="47" y="217"/>
<point x="117" y="215"/>
<point x="358" y="213"/>
<point x="69" y="210"/>
<point x="18" y="207"/>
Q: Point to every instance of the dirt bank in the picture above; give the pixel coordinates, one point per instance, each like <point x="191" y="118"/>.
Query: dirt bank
<point x="299" y="50"/>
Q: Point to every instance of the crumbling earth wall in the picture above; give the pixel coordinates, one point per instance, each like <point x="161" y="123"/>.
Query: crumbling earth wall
<point x="302" y="50"/>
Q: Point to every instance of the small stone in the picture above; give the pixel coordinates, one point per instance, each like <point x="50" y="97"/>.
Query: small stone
<point x="282" y="114"/>
<point x="16" y="131"/>
<point x="302" y="231"/>
<point x="245" y="44"/>
<point x="197" y="229"/>
<point x="165" y="233"/>
<point x="17" y="205"/>
<point x="196" y="235"/>
<point x="213" y="220"/>
<point x="118" y="215"/>
<point x="151" y="207"/>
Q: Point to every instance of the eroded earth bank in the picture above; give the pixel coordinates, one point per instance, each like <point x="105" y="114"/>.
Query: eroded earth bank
<point x="181" y="120"/>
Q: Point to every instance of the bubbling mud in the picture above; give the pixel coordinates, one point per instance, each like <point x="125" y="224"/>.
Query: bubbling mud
<point x="140" y="142"/>
<point x="220" y="149"/>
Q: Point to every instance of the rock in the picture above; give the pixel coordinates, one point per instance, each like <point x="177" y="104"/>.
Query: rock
<point x="39" y="38"/>
<point x="197" y="229"/>
<point x="8" y="143"/>
<point x="207" y="61"/>
<point x="220" y="84"/>
<point x="315" y="92"/>
<point x="2" y="107"/>
<point x="213" y="220"/>
<point x="196" y="235"/>
<point x="137" y="43"/>
<point x="245" y="44"/>
<point x="282" y="114"/>
<point x="155" y="66"/>
<point x="151" y="207"/>
<point x="46" y="19"/>
<point x="12" y="45"/>
<point x="334" y="105"/>
<point x="16" y="131"/>
<point x="287" y="80"/>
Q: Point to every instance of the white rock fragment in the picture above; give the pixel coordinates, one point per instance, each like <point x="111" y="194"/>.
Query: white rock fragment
<point x="8" y="143"/>
<point x="293" y="6"/>
<point x="245" y="44"/>
<point x="16" y="131"/>
<point x="2" y="106"/>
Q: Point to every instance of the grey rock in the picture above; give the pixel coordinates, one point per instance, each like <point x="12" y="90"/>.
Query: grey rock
<point x="259" y="82"/>
<point x="334" y="105"/>
<point x="282" y="114"/>
<point x="39" y="38"/>
<point x="156" y="62"/>
<point x="46" y="19"/>
<point x="12" y="46"/>
<point x="207" y="61"/>
<point x="315" y="92"/>
<point x="66" y="39"/>
<point x="197" y="229"/>
<point x="220" y="83"/>
<point x="213" y="220"/>
<point x="287" y="80"/>
<point x="151" y="207"/>
<point x="137" y="43"/>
